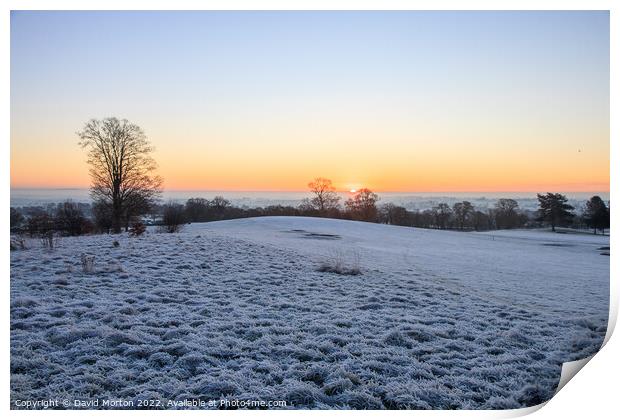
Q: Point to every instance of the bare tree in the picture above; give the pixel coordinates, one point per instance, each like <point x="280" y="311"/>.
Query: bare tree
<point x="481" y="220"/>
<point x="392" y="214"/>
<point x="121" y="167"/>
<point x="363" y="205"/>
<point x="197" y="210"/>
<point x="462" y="212"/>
<point x="325" y="197"/>
<point x="386" y="213"/>
<point x="219" y="205"/>
<point x="506" y="216"/>
<point x="442" y="214"/>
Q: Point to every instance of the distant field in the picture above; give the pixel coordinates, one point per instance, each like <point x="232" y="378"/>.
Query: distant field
<point x="238" y="309"/>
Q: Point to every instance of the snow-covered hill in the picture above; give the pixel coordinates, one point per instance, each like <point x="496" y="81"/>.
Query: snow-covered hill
<point x="238" y="309"/>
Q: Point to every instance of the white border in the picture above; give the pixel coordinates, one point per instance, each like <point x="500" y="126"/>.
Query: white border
<point x="593" y="394"/>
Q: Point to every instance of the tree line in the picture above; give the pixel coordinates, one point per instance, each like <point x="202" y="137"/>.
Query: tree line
<point x="70" y="218"/>
<point x="554" y="211"/>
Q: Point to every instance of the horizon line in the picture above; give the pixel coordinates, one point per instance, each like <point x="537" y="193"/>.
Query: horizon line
<point x="338" y="190"/>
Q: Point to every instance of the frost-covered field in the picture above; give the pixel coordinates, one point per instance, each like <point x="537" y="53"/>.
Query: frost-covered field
<point x="237" y="309"/>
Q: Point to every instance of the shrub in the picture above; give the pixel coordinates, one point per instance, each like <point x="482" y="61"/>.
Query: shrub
<point x="102" y="213"/>
<point x="338" y="263"/>
<point x="48" y="240"/>
<point x="70" y="220"/>
<point x="16" y="219"/>
<point x="40" y="224"/>
<point x="137" y="229"/>
<point x="173" y="218"/>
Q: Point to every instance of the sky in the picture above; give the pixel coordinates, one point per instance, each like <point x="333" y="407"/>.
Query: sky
<point x="266" y="101"/>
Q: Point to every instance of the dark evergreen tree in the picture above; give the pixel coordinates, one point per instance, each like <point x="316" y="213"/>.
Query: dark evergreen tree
<point x="554" y="209"/>
<point x="596" y="214"/>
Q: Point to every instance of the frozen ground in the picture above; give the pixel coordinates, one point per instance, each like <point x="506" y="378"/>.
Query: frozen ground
<point x="238" y="309"/>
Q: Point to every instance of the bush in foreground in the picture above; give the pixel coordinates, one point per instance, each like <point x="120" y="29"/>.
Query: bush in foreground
<point x="338" y="263"/>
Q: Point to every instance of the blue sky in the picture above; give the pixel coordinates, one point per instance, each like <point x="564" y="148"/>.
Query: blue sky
<point x="216" y="81"/>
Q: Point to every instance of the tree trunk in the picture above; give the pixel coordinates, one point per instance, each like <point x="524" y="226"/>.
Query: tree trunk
<point x="116" y="224"/>
<point x="117" y="207"/>
<point x="116" y="217"/>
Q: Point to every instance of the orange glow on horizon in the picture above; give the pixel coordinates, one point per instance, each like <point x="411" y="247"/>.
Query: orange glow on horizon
<point x="273" y="163"/>
<point x="392" y="102"/>
<point x="190" y="174"/>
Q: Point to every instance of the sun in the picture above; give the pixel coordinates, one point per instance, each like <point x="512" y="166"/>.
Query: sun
<point x="352" y="190"/>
